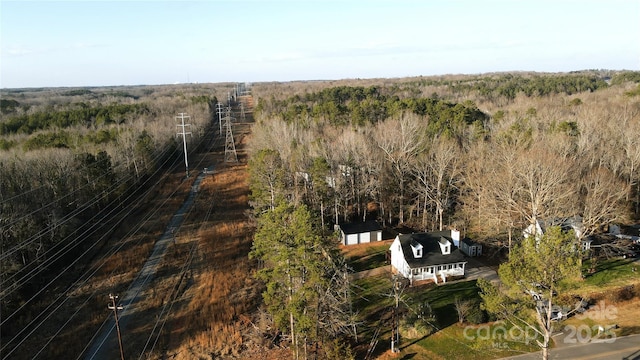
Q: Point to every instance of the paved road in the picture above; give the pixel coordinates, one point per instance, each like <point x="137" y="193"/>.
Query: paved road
<point x="104" y="344"/>
<point x="623" y="348"/>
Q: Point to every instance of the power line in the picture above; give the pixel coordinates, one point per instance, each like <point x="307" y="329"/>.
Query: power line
<point x="78" y="283"/>
<point x="80" y="208"/>
<point x="84" y="278"/>
<point x="81" y="281"/>
<point x="144" y="276"/>
<point x="63" y="246"/>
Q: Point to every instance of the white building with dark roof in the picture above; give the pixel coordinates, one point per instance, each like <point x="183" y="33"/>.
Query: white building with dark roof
<point x="360" y="233"/>
<point x="431" y="256"/>
<point x="470" y="248"/>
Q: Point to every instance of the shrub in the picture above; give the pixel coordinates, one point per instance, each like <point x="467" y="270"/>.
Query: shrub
<point x="477" y="316"/>
<point x="339" y="350"/>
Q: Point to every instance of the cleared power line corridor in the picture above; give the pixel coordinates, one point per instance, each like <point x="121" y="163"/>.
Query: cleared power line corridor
<point x="105" y="342"/>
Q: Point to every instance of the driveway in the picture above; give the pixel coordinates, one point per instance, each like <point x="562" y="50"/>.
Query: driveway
<point x="475" y="269"/>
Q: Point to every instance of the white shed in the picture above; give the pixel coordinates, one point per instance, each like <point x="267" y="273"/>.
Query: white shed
<point x="360" y="233"/>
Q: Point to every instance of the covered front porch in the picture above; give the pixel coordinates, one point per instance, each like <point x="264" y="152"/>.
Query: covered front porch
<point x="437" y="273"/>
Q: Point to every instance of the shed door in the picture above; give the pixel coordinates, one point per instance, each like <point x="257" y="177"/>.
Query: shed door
<point x="352" y="239"/>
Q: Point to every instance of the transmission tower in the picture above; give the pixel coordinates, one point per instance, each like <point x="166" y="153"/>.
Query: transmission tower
<point x="182" y="117"/>
<point x="242" y="115"/>
<point x="230" y="154"/>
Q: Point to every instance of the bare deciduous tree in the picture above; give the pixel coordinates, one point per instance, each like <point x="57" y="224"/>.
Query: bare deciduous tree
<point x="400" y="140"/>
<point x="546" y="187"/>
<point x="463" y="308"/>
<point x="438" y="171"/>
<point x="601" y="199"/>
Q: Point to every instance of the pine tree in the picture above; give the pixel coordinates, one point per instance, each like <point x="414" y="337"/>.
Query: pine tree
<point x="291" y="248"/>
<point x="537" y="270"/>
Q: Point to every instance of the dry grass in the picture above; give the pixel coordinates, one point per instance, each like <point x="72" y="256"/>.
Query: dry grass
<point x="364" y="249"/>
<point x="223" y="292"/>
<point x="212" y="313"/>
<point x="84" y="308"/>
<point x="606" y="312"/>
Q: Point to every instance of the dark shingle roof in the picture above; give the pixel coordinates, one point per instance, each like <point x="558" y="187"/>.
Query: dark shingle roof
<point x="468" y="241"/>
<point x="361" y="227"/>
<point x="430" y="249"/>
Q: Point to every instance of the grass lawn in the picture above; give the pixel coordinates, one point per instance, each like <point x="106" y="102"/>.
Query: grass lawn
<point x="441" y="298"/>
<point x="455" y="341"/>
<point x="611" y="273"/>
<point x="452" y="341"/>
<point x="486" y="341"/>
<point x="604" y="286"/>
<point x="366" y="256"/>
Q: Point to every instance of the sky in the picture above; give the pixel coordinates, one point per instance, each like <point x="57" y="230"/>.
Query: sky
<point x="111" y="43"/>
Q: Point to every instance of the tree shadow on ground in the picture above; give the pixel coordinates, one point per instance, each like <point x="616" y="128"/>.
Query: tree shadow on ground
<point x="408" y="356"/>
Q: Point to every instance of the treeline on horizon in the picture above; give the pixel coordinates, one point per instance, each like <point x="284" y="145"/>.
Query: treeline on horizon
<point x="312" y="133"/>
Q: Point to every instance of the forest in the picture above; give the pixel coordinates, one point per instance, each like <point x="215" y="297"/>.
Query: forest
<point x="487" y="154"/>
<point x="69" y="159"/>
<point x="418" y="153"/>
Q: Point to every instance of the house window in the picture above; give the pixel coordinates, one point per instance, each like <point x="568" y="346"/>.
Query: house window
<point x="416" y="248"/>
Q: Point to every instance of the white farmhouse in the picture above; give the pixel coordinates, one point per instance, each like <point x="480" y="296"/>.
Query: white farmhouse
<point x="428" y="256"/>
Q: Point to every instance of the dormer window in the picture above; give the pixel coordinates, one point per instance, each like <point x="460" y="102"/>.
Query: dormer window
<point x="416" y="248"/>
<point x="445" y="246"/>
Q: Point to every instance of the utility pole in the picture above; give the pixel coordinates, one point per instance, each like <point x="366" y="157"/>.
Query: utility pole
<point x="182" y="117"/>
<point x="398" y="288"/>
<point x="115" y="309"/>
<point x="219" y="110"/>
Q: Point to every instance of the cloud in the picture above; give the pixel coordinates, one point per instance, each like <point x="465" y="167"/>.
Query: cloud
<point x="19" y="51"/>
